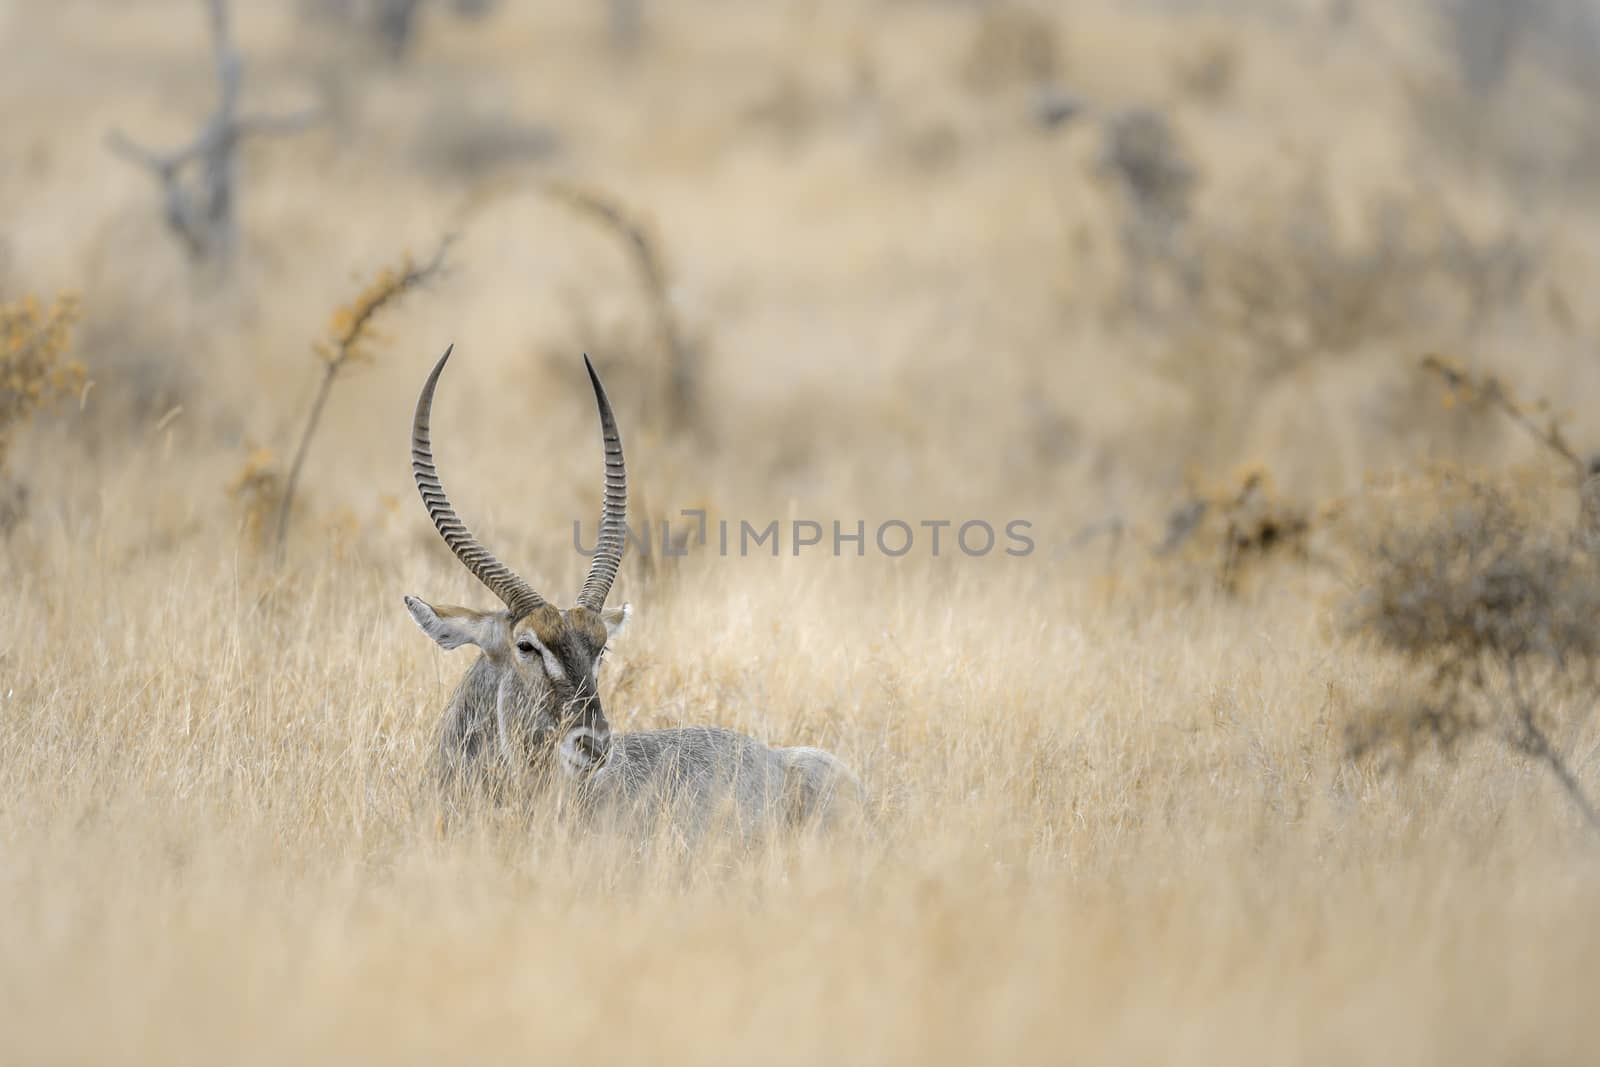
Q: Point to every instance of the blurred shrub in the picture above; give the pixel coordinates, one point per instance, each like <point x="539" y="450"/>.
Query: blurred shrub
<point x="1236" y="306"/>
<point x="1483" y="37"/>
<point x="1517" y="88"/>
<point x="34" y="372"/>
<point x="1143" y="157"/>
<point x="1230" y="529"/>
<point x="1287" y="284"/>
<point x="1209" y="72"/>
<point x="1013" y="44"/>
<point x="463" y="137"/>
<point x="1480" y="579"/>
<point x="390" y="24"/>
<point x="34" y="339"/>
<point x="1494" y="609"/>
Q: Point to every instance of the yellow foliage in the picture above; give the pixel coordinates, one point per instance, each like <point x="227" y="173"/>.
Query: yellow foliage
<point x="33" y="371"/>
<point x="350" y="334"/>
<point x="1242" y="520"/>
<point x="258" y="487"/>
<point x="258" y="465"/>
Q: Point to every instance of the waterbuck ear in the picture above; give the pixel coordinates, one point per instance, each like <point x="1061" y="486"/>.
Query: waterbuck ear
<point x="451" y="626"/>
<point x="616" y="618"/>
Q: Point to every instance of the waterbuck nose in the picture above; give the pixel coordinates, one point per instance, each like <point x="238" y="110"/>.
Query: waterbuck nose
<point x="594" y="746"/>
<point x="584" y="749"/>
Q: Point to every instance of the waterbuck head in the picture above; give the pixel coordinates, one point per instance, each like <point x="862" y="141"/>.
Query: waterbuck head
<point x="543" y="657"/>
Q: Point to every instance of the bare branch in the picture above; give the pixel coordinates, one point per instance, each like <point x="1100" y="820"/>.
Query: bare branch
<point x="1531" y="739"/>
<point x="1491" y="392"/>
<point x="200" y="211"/>
<point x="138" y="155"/>
<point x="681" y="356"/>
<point x="352" y="328"/>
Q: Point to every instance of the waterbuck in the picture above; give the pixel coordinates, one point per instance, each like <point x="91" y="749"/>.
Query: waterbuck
<point x="530" y="708"/>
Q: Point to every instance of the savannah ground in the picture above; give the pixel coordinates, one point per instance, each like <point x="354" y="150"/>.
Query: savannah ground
<point x="1116" y="815"/>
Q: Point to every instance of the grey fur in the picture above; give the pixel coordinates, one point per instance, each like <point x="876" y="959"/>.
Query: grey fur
<point x="697" y="778"/>
<point x="528" y="712"/>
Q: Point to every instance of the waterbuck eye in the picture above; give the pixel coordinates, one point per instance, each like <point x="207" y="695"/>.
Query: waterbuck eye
<point x="524" y="645"/>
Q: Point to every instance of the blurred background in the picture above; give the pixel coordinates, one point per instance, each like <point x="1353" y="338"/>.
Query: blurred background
<point x="1278" y="321"/>
<point x="1078" y="260"/>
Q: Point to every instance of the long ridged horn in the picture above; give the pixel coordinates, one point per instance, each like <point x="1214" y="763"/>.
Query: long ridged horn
<point x="518" y="595"/>
<point x="614" y="512"/>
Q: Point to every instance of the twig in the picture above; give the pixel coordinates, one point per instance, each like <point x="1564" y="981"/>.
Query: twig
<point x="1181" y="522"/>
<point x="1536" y="743"/>
<point x="1492" y="392"/>
<point x="681" y="355"/>
<point x="351" y="330"/>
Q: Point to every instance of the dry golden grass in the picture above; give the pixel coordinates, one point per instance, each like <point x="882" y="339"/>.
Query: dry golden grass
<point x="1116" y="820"/>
